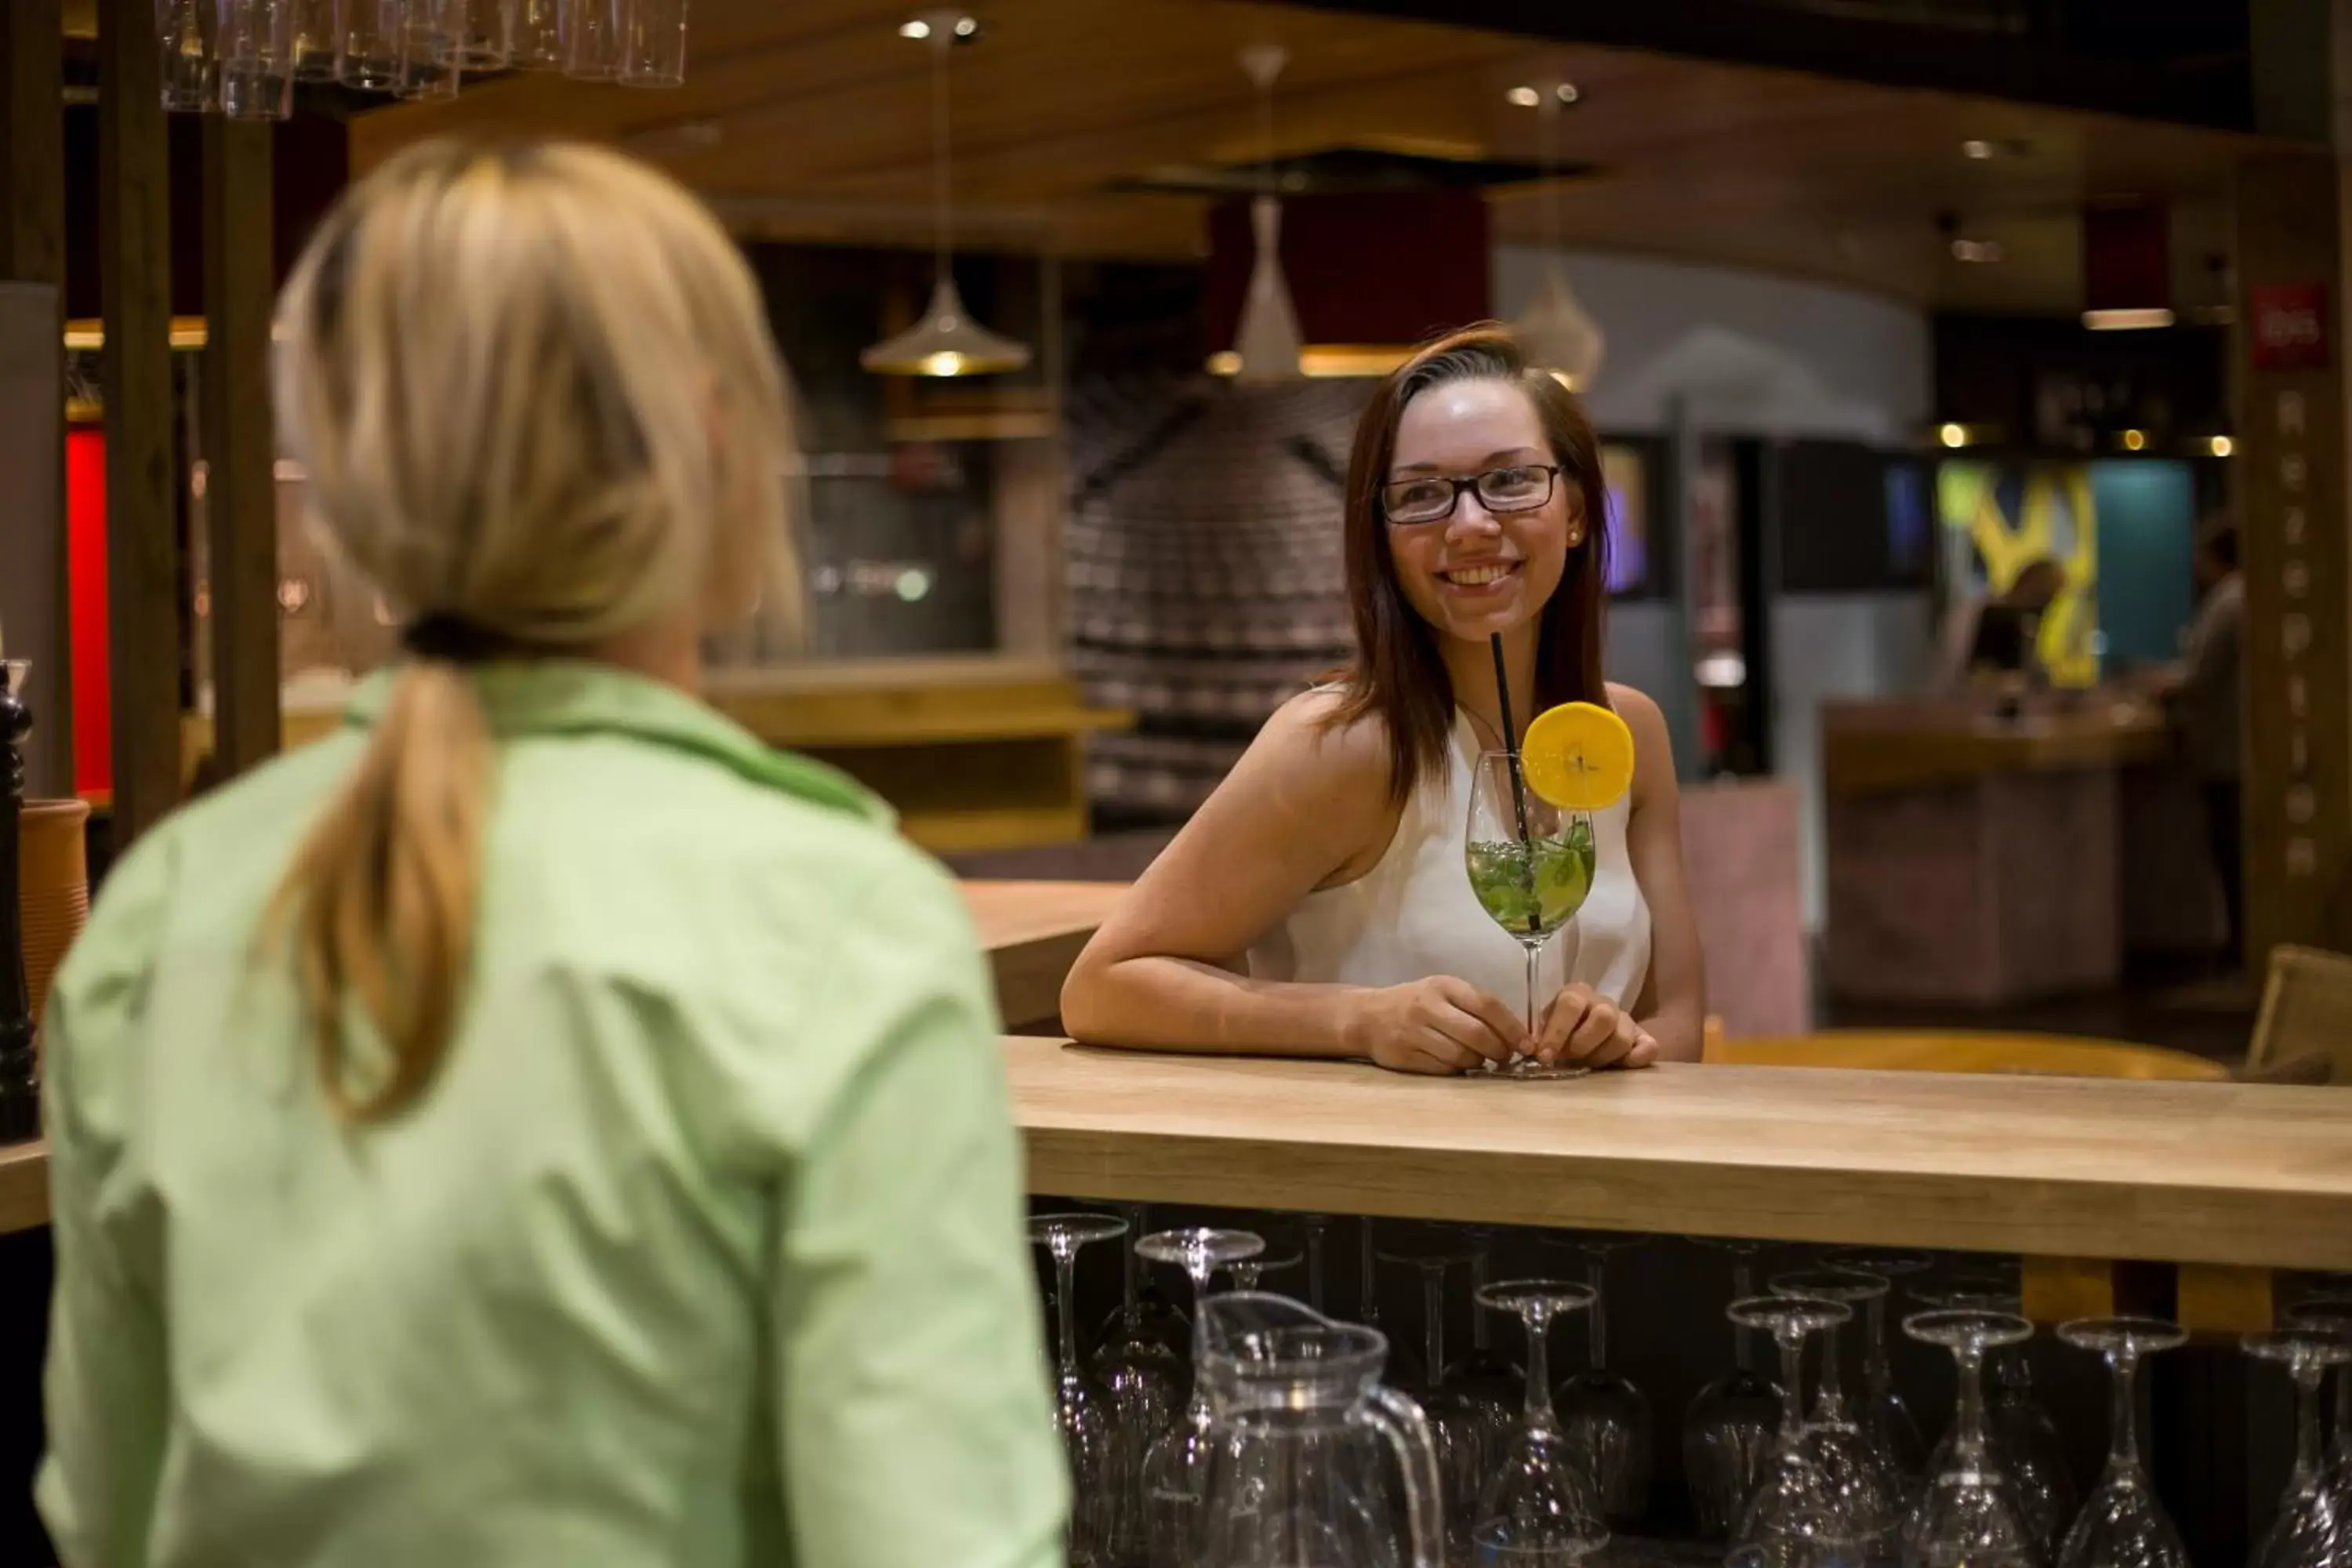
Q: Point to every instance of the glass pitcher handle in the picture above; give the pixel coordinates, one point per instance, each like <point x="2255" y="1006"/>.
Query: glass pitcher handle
<point x="1407" y="1429"/>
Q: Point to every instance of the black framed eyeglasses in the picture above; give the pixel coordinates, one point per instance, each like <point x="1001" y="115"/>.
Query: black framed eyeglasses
<point x="1432" y="498"/>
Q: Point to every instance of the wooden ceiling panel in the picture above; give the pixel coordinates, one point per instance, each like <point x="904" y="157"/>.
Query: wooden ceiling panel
<point x="812" y="120"/>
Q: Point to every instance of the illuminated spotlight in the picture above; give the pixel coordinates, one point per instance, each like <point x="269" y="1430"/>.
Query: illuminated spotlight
<point x="2221" y="446"/>
<point x="1978" y="148"/>
<point x="1977" y="250"/>
<point x="1953" y="436"/>
<point x="2130" y="320"/>
<point x="1567" y="93"/>
<point x="916" y="29"/>
<point x="1524" y="96"/>
<point x="966" y="27"/>
<point x="2135" y="441"/>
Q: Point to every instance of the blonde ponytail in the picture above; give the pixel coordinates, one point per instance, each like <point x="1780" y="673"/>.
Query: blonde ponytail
<point x="379" y="904"/>
<point x="535" y="395"/>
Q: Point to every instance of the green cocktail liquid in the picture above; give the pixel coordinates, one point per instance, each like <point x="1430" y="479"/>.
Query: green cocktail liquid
<point x="1532" y="890"/>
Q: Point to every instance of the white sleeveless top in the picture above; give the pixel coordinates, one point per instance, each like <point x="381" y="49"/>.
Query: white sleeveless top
<point x="1413" y="914"/>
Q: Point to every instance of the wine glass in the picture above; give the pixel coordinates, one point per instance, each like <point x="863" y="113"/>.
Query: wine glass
<point x="1081" y="1408"/>
<point x="1463" y="1431"/>
<point x="2023" y="1437"/>
<point x="2122" y="1525"/>
<point x="1860" y="1474"/>
<point x="1401" y="1370"/>
<point x="1606" y="1417"/>
<point x="1792" y="1519"/>
<point x="1484" y="1372"/>
<point x="1144" y="1313"/>
<point x="1728" y="1431"/>
<point x="1969" y="1512"/>
<point x="1530" y="866"/>
<point x="1176" y="1469"/>
<point x="1139" y="1365"/>
<point x="1536" y="1510"/>
<point x="2333" y="1315"/>
<point x="2313" y="1529"/>
<point x="1883" y="1409"/>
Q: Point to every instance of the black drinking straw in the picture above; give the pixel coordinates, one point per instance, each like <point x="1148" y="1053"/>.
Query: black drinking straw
<point x="1510" y="735"/>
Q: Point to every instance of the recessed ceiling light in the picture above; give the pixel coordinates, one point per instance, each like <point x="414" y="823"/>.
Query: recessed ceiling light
<point x="2135" y="441"/>
<point x="1978" y="251"/>
<point x="915" y="28"/>
<point x="1524" y="96"/>
<point x="2221" y="446"/>
<point x="1954" y="436"/>
<point x="1567" y="93"/>
<point x="2127" y="320"/>
<point x="966" y="27"/>
<point x="1978" y="148"/>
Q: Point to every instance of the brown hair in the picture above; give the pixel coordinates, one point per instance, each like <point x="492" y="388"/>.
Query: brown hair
<point x="535" y="397"/>
<point x="1399" y="674"/>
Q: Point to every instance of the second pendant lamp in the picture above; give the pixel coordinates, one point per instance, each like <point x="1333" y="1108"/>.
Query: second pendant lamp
<point x="1268" y="343"/>
<point x="946" y="342"/>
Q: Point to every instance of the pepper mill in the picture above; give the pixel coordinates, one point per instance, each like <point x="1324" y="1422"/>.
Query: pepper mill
<point x="20" y="1093"/>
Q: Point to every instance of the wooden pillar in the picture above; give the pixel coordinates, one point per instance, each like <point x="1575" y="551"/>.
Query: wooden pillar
<point x="240" y="488"/>
<point x="2297" y="551"/>
<point x="33" y="251"/>
<point x="143" y="552"/>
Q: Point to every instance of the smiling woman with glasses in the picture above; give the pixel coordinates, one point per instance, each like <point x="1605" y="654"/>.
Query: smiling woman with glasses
<point x="1315" y="904"/>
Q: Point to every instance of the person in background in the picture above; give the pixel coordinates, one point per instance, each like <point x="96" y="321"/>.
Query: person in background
<point x="540" y="1125"/>
<point x="1317" y="904"/>
<point x="2211" y="703"/>
<point x="2007" y="632"/>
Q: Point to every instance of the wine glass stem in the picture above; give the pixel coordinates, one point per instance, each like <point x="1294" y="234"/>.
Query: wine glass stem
<point x="1792" y="1386"/>
<point x="1743" y="1286"/>
<point x="1196" y="1269"/>
<point x="1369" y="1274"/>
<point x="1877" y="1372"/>
<point x="1832" y="1392"/>
<point x="1597" y="1319"/>
<point x="1065" y="1280"/>
<point x="1537" y="1316"/>
<point x="1482" y="1271"/>
<point x="2344" y="1410"/>
<point x="2306" y="1422"/>
<point x="1132" y="1263"/>
<point x="1315" y="1226"/>
<point x="2123" y="1423"/>
<point x="1967" y="1422"/>
<point x="1433" y="1312"/>
<point x="1535" y="961"/>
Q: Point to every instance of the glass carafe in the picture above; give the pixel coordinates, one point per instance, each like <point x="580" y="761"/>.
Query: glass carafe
<point x="1300" y="1474"/>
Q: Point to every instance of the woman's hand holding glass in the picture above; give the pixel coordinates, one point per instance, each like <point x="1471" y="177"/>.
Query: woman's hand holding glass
<point x="1437" y="1025"/>
<point x="1585" y="1029"/>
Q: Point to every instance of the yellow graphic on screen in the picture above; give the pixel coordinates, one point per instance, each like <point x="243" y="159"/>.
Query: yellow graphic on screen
<point x="2056" y="518"/>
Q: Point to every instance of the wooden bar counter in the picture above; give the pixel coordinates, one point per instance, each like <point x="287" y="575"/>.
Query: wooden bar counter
<point x="2206" y="1174"/>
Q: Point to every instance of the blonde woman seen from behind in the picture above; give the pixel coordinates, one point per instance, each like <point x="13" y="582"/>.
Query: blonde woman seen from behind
<point x="540" y="1125"/>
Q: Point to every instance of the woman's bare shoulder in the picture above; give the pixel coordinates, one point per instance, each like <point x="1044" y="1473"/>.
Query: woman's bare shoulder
<point x="1314" y="735"/>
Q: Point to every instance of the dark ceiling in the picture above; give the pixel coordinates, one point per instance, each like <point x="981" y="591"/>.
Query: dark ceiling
<point x="2188" y="61"/>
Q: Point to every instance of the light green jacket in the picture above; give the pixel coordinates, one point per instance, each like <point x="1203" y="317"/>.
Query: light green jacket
<point x="704" y="1247"/>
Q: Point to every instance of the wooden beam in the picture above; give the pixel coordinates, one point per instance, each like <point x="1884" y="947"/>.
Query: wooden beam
<point x="240" y="488"/>
<point x="33" y="250"/>
<point x="142" y="549"/>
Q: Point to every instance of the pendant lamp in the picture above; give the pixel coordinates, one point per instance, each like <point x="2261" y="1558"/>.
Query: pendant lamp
<point x="946" y="341"/>
<point x="1268" y="343"/>
<point x="1557" y="334"/>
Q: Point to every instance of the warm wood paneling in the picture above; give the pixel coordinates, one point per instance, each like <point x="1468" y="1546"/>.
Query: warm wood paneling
<point x="240" y="449"/>
<point x="810" y="121"/>
<point x="142" y="544"/>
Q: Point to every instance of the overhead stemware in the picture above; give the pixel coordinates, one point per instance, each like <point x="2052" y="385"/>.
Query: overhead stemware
<point x="2122" y="1524"/>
